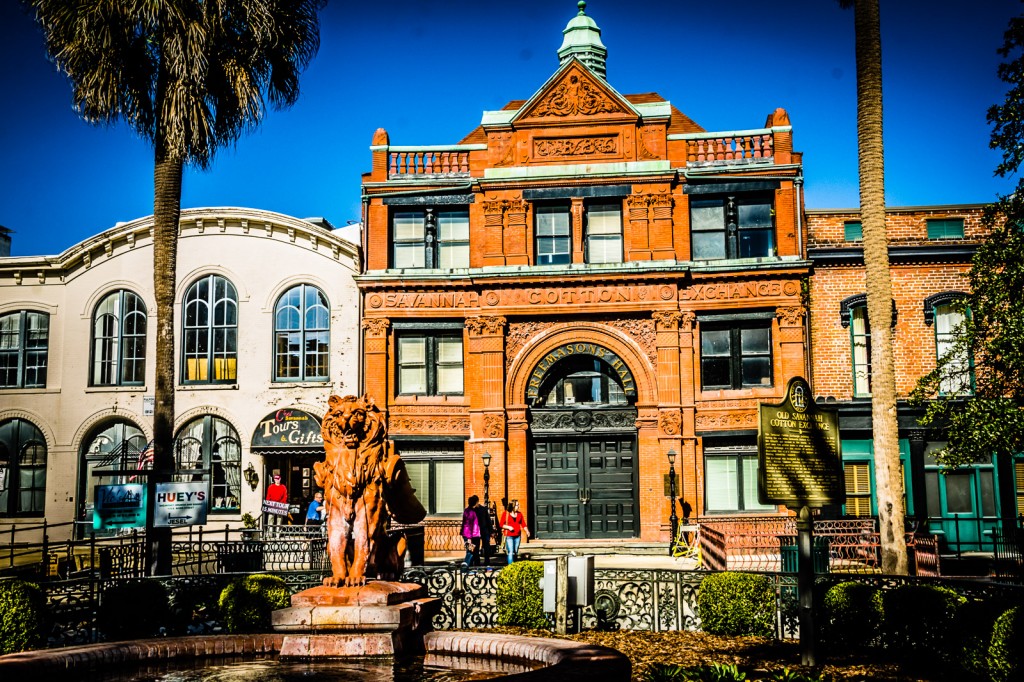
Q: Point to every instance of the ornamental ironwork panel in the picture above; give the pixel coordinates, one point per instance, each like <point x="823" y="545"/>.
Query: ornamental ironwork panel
<point x="582" y="421"/>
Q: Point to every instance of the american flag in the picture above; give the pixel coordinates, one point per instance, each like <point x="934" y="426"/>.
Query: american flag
<point x="145" y="459"/>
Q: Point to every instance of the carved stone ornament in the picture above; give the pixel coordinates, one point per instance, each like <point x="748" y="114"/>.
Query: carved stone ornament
<point x="642" y="331"/>
<point x="576" y="95"/>
<point x="687" y="320"/>
<point x="494" y="426"/>
<point x="492" y="325"/>
<point x="791" y="316"/>
<point x="727" y="420"/>
<point x="457" y="425"/>
<point x="519" y="333"/>
<point x="582" y="421"/>
<point x="667" y="320"/>
<point x="376" y="326"/>
<point x="670" y="422"/>
<point x="577" y="146"/>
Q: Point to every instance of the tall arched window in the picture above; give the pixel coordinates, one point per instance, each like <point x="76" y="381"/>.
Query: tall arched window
<point x="117" y="446"/>
<point x="24" y="339"/>
<point x="208" y="449"/>
<point x="210" y="349"/>
<point x="22" y="469"/>
<point x="302" y="322"/>
<point x="945" y="311"/>
<point x="119" y="340"/>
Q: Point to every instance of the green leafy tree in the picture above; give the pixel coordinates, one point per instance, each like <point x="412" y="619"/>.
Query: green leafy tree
<point x="992" y="333"/>
<point x="878" y="285"/>
<point x="189" y="76"/>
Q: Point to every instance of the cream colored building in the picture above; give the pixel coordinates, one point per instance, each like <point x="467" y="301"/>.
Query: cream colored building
<point x="266" y="324"/>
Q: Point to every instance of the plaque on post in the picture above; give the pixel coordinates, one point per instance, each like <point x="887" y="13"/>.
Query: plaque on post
<point x="799" y="458"/>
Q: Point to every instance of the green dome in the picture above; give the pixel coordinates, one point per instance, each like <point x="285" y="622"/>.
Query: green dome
<point x="583" y="41"/>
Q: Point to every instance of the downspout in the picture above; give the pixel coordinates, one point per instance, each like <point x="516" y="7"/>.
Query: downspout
<point x="359" y="305"/>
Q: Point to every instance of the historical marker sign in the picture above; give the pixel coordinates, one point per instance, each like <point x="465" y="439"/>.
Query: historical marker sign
<point x="798" y="452"/>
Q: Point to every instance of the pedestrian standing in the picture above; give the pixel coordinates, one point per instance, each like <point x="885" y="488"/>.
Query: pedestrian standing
<point x="513" y="527"/>
<point x="483" y="517"/>
<point x="471" y="532"/>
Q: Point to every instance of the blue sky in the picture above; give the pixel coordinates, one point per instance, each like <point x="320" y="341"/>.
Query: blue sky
<point x="425" y="71"/>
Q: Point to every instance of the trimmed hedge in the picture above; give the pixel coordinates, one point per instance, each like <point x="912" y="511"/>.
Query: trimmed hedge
<point x="971" y="636"/>
<point x="1006" y="652"/>
<point x="520" y="597"/>
<point x="133" y="609"/>
<point x="852" y="616"/>
<point x="24" y="617"/>
<point x="918" y="621"/>
<point x="737" y="604"/>
<point x="246" y="604"/>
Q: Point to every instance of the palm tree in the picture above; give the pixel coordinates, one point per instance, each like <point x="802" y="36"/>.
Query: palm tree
<point x="189" y="76"/>
<point x="888" y="474"/>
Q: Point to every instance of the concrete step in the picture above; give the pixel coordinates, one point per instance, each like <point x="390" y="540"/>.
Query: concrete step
<point x="541" y="548"/>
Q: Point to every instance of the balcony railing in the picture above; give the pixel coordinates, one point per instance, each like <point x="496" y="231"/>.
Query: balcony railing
<point x="730" y="148"/>
<point x="404" y="162"/>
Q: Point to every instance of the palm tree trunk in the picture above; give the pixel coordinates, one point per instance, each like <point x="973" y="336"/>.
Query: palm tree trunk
<point x="167" y="177"/>
<point x="888" y="475"/>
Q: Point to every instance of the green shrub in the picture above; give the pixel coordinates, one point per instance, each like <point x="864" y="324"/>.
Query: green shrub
<point x="133" y="609"/>
<point x="851" y="616"/>
<point x="24" y="617"/>
<point x="918" y="621"/>
<point x="787" y="675"/>
<point x="1006" y="652"/>
<point x="246" y="604"/>
<point x="737" y="604"/>
<point x="520" y="598"/>
<point x="972" y="633"/>
<point x="666" y="672"/>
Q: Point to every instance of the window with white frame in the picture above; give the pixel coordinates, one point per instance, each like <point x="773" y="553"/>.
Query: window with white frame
<point x="430" y="238"/>
<point x="553" y="234"/>
<point x="302" y="331"/>
<point x="24" y="342"/>
<point x="730" y="475"/>
<point x="119" y="340"/>
<point x="945" y="312"/>
<point x="604" y="232"/>
<point x="436" y="474"/>
<point x="860" y="349"/>
<point x="430" y="362"/>
<point x="210" y="348"/>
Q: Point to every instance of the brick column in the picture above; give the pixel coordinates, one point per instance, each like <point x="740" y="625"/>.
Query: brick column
<point x="517" y="234"/>
<point x="666" y="324"/>
<point x="494" y="213"/>
<point x="514" y="473"/>
<point x="689" y="464"/>
<point x="486" y="389"/>
<point x="576" y="218"/>
<point x="375" y="359"/>
<point x="637" y="231"/>
<point x="661" y="227"/>
<point x="791" y="343"/>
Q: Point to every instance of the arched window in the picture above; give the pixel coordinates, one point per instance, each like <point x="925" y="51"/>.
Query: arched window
<point x="119" y="340"/>
<point x="116" y="446"/>
<point x="22" y="469"/>
<point x="210" y="349"/>
<point x="582" y="381"/>
<point x="24" y="338"/>
<point x="208" y="449"/>
<point x="853" y="313"/>
<point x="302" y="324"/>
<point x="943" y="310"/>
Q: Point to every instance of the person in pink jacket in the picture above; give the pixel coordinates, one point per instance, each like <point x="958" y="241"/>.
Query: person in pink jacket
<point x="471" y="533"/>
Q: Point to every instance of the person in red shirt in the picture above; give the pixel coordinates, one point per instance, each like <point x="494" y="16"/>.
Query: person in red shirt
<point x="276" y="492"/>
<point x="513" y="527"/>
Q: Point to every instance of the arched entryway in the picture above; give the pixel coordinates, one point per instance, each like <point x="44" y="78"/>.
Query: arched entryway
<point x="583" y="444"/>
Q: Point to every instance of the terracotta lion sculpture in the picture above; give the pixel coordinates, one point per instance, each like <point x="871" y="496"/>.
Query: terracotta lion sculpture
<point x="364" y="483"/>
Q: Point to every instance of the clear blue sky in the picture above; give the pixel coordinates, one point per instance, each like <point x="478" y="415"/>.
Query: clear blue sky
<point x="426" y="70"/>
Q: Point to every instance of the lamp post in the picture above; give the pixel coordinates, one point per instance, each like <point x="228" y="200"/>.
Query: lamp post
<point x="673" y="520"/>
<point x="487" y="479"/>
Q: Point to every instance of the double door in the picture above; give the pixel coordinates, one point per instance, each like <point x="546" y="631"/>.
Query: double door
<point x="585" y="487"/>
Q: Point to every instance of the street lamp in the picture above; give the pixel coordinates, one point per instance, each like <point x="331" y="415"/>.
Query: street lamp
<point x="673" y="520"/>
<point x="487" y="479"/>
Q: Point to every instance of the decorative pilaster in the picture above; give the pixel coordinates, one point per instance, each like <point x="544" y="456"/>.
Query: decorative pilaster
<point x="791" y="341"/>
<point x="517" y="233"/>
<point x="494" y="214"/>
<point x="636" y="212"/>
<point x="662" y="246"/>
<point x="576" y="216"/>
<point x="375" y="357"/>
<point x="486" y="388"/>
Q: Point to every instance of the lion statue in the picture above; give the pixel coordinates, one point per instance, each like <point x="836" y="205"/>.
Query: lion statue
<point x="364" y="483"/>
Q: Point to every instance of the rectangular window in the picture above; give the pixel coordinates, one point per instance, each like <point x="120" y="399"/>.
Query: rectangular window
<point x="858" y="488"/>
<point x="957" y="376"/>
<point x="735" y="357"/>
<point x="604" y="233"/>
<point x="945" y="228"/>
<point x="553" y="234"/>
<point x="860" y="340"/>
<point x="853" y="230"/>
<point x="430" y="238"/>
<point x="430" y="363"/>
<point x="436" y="474"/>
<point x="732" y="227"/>
<point x="731" y="481"/>
<point x="24" y="342"/>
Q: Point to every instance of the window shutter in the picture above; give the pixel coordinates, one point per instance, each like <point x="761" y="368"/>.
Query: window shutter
<point x="858" y="489"/>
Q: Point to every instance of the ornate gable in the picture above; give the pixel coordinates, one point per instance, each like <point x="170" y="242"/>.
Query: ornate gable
<point x="575" y="95"/>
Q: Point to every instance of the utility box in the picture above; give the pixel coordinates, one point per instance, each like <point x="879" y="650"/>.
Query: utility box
<point x="581" y="582"/>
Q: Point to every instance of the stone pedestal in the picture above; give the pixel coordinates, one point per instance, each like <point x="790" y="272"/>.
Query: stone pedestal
<point x="378" y="619"/>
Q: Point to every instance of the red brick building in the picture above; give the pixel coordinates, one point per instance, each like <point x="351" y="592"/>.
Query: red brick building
<point x="585" y="284"/>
